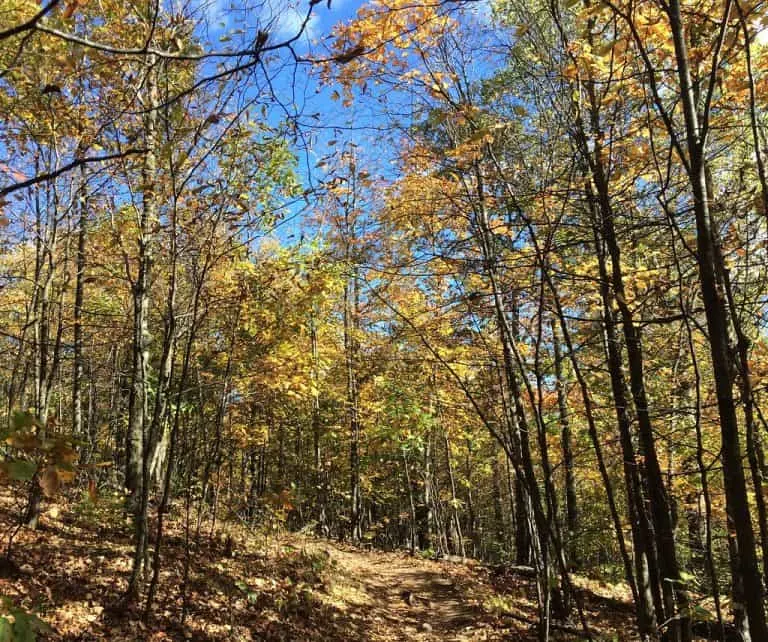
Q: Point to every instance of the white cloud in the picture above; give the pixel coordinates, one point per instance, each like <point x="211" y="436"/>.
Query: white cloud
<point x="214" y="11"/>
<point x="483" y="11"/>
<point x="762" y="35"/>
<point x="286" y="20"/>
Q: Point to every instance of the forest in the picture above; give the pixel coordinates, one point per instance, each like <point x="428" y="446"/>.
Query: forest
<point x="383" y="320"/>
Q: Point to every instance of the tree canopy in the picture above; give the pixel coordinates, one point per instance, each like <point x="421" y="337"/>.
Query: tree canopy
<point x="473" y="278"/>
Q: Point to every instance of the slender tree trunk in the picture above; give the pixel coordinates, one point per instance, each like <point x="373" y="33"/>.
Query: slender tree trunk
<point x="646" y="571"/>
<point x="424" y="510"/>
<point x="353" y="413"/>
<point x="641" y="587"/>
<point x="571" y="506"/>
<point x="746" y="392"/>
<point x="138" y="400"/>
<point x="500" y="534"/>
<point x="643" y="604"/>
<point x="45" y="358"/>
<point x="737" y="504"/>
<point x="174" y="438"/>
<point x="522" y="531"/>
<point x="317" y="428"/>
<point x="455" y="528"/>
<point x="77" y="370"/>
<point x="672" y="587"/>
<point x="411" y="503"/>
<point x="546" y="564"/>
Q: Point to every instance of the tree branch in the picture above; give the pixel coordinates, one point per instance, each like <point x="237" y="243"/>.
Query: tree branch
<point x="48" y="176"/>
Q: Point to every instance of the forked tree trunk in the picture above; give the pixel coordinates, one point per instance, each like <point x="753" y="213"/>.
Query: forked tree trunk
<point x="138" y="400"/>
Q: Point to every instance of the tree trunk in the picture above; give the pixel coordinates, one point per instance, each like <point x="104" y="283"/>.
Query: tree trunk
<point x="646" y="571"/>
<point x="571" y="506"/>
<point x="737" y="504"/>
<point x="674" y="594"/>
<point x="77" y="370"/>
<point x="138" y="401"/>
<point x="45" y="359"/>
<point x="353" y="420"/>
<point x="319" y="489"/>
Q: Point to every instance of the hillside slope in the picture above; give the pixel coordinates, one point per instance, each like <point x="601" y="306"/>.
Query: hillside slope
<point x="244" y="585"/>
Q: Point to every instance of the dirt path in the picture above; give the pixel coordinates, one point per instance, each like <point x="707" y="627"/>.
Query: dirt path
<point x="74" y="569"/>
<point x="406" y="598"/>
<point x="393" y="596"/>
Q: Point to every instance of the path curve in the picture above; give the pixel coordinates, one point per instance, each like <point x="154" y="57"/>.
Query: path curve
<point x="408" y="598"/>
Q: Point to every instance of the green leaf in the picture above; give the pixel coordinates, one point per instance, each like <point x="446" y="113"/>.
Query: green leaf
<point x="21" y="470"/>
<point x="22" y="627"/>
<point x="38" y="625"/>
<point x="22" y="420"/>
<point x="6" y="629"/>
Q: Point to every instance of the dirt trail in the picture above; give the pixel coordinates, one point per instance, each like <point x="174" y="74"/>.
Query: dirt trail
<point x="407" y="598"/>
<point x="74" y="569"/>
<point x="393" y="596"/>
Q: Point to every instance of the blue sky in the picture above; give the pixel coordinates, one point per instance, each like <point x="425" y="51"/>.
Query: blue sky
<point x="336" y="126"/>
<point x="283" y="17"/>
<point x="325" y="124"/>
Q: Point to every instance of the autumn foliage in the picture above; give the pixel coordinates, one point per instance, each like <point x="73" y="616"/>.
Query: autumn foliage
<point x="495" y="289"/>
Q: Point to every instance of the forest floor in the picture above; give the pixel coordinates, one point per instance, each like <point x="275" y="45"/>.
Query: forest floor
<point x="245" y="586"/>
